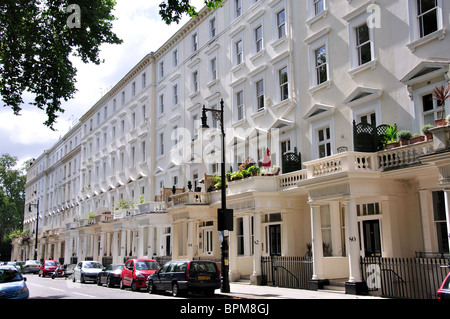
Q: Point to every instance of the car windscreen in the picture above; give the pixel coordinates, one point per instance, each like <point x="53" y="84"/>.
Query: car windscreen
<point x="51" y="263"/>
<point x="146" y="265"/>
<point x="92" y="265"/>
<point x="202" y="267"/>
<point x="116" y="267"/>
<point x="9" y="275"/>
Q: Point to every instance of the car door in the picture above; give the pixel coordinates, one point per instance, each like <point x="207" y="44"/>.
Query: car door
<point x="127" y="274"/>
<point x="163" y="283"/>
<point x="104" y="274"/>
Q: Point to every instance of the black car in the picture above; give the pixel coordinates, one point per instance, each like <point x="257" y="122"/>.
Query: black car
<point x="110" y="275"/>
<point x="185" y="276"/>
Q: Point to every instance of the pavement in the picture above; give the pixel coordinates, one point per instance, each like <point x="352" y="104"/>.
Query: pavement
<point x="241" y="290"/>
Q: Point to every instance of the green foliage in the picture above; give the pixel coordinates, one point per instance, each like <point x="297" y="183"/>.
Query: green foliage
<point x="404" y="134"/>
<point x="36" y="43"/>
<point x="12" y="195"/>
<point x="391" y="134"/>
<point x="123" y="204"/>
<point x="173" y="10"/>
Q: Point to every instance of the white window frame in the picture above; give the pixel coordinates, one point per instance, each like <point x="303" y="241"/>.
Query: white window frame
<point x="314" y="16"/>
<point x="257" y="95"/>
<point x="316" y="42"/>
<point x="354" y="22"/>
<point x="315" y="128"/>
<point x="238" y="49"/>
<point x="415" y="37"/>
<point x="258" y="43"/>
<point x="281" y="84"/>
<point x="281" y="26"/>
<point x="212" y="27"/>
<point x="237" y="8"/>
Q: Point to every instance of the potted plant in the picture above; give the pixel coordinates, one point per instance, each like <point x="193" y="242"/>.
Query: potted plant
<point x="441" y="94"/>
<point x="236" y="176"/>
<point x="390" y="137"/>
<point x="228" y="176"/>
<point x="416" y="138"/>
<point x="276" y="170"/>
<point x="174" y="190"/>
<point x="189" y="185"/>
<point x="404" y="136"/>
<point x="245" y="173"/>
<point x="254" y="170"/>
<point x="426" y="130"/>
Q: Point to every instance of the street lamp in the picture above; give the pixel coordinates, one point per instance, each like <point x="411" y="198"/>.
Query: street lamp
<point x="37" y="223"/>
<point x="224" y="215"/>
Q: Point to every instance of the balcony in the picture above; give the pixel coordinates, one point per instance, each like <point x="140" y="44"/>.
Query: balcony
<point x="396" y="158"/>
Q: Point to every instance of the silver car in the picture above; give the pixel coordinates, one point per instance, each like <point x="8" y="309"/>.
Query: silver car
<point x="87" y="270"/>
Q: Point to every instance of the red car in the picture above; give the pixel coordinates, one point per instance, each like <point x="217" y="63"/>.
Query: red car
<point x="48" y="267"/>
<point x="136" y="271"/>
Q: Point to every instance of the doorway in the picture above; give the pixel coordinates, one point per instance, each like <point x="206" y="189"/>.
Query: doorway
<point x="372" y="238"/>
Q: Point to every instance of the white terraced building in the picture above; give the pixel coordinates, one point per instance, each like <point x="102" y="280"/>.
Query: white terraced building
<point x="316" y="83"/>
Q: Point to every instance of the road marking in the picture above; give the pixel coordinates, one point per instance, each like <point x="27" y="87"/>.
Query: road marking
<point x="57" y="289"/>
<point x="84" y="295"/>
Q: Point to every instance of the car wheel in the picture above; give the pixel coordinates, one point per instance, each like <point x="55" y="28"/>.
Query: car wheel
<point x="151" y="288"/>
<point x="176" y="290"/>
<point x="134" y="286"/>
<point x="108" y="282"/>
<point x="99" y="282"/>
<point x="121" y="284"/>
<point x="82" y="279"/>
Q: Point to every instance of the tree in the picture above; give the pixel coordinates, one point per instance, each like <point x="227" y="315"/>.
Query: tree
<point x="12" y="195"/>
<point x="173" y="10"/>
<point x="37" y="39"/>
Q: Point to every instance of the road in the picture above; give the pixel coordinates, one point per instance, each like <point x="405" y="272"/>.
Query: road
<point x="60" y="288"/>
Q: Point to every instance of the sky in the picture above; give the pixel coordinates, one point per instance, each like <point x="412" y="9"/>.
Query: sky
<point x="139" y="25"/>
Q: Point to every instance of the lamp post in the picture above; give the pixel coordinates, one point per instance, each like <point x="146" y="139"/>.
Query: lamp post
<point x="37" y="225"/>
<point x="224" y="215"/>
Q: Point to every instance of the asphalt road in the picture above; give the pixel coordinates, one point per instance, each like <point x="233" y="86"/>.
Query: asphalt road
<point x="60" y="288"/>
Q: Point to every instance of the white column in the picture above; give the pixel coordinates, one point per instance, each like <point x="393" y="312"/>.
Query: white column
<point x="123" y="242"/>
<point x="115" y="247"/>
<point x="255" y="278"/>
<point x="151" y="249"/>
<point x="140" y="245"/>
<point x="317" y="243"/>
<point x="353" y="242"/>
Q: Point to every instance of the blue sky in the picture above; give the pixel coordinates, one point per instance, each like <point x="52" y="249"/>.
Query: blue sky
<point x="26" y="137"/>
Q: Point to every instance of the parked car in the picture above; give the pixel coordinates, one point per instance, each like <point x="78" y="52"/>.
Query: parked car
<point x="110" y="275"/>
<point x="12" y="284"/>
<point x="87" y="270"/>
<point x="48" y="267"/>
<point x="136" y="271"/>
<point x="444" y="291"/>
<point x="31" y="266"/>
<point x="186" y="276"/>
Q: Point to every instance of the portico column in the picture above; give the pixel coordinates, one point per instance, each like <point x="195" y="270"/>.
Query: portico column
<point x="123" y="240"/>
<point x="115" y="247"/>
<point x="355" y="284"/>
<point x="318" y="280"/>
<point x="255" y="278"/>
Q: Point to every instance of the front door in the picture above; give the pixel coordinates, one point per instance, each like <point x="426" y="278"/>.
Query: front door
<point x="275" y="240"/>
<point x="372" y="238"/>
